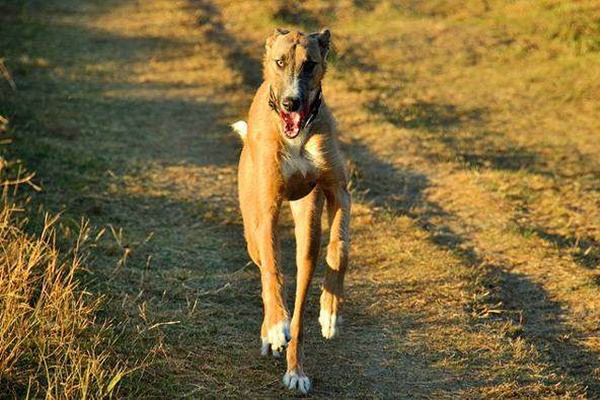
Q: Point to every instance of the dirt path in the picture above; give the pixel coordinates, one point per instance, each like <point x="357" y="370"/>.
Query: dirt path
<point x="460" y="284"/>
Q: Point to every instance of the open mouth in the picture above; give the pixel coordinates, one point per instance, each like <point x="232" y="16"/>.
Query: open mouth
<point x="292" y="123"/>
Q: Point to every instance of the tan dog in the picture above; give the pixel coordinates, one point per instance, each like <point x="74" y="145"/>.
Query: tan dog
<point x="291" y="153"/>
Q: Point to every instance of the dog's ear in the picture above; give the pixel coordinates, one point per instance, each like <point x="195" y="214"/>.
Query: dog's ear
<point x="276" y="33"/>
<point x="324" y="39"/>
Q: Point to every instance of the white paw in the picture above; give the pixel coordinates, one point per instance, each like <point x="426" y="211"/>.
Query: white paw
<point x="277" y="339"/>
<point x="297" y="381"/>
<point x="329" y="324"/>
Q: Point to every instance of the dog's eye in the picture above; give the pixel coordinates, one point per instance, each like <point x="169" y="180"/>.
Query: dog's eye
<point x="308" y="67"/>
<point x="280" y="63"/>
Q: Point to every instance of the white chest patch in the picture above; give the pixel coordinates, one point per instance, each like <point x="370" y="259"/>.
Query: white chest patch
<point x="299" y="158"/>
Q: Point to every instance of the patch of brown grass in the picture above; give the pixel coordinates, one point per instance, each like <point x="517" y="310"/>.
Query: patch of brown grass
<point x="50" y="342"/>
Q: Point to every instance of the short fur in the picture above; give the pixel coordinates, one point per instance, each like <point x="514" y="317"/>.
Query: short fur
<point x="307" y="170"/>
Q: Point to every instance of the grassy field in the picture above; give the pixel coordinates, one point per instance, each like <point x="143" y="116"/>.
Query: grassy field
<point x="472" y="133"/>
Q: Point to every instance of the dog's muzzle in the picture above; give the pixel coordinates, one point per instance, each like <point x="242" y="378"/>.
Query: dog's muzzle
<point x="294" y="116"/>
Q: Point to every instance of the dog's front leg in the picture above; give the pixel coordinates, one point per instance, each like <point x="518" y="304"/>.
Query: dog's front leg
<point x="307" y="220"/>
<point x="275" y="331"/>
<point x="338" y="210"/>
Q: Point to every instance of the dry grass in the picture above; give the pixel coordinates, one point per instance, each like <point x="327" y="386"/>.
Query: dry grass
<point x="51" y="344"/>
<point x="472" y="131"/>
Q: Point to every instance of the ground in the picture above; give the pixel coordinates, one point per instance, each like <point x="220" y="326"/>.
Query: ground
<point x="471" y="133"/>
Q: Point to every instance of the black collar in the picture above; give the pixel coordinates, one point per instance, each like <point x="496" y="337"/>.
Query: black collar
<point x="312" y="113"/>
<point x="314" y="109"/>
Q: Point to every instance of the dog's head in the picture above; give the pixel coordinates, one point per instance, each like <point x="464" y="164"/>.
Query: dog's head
<point x="294" y="66"/>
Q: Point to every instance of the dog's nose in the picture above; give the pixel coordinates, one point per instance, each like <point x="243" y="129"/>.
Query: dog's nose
<point x="291" y="104"/>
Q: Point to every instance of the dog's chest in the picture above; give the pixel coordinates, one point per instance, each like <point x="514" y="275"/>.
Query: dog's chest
<point x="300" y="166"/>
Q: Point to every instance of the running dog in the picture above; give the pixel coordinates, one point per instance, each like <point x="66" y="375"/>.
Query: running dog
<point x="291" y="153"/>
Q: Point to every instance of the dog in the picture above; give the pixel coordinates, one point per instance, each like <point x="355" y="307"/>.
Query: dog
<point x="291" y="152"/>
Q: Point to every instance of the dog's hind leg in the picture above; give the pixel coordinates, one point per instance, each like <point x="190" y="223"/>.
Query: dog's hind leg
<point x="307" y="220"/>
<point x="338" y="210"/>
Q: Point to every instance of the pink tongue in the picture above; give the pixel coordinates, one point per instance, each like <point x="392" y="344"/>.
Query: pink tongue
<point x="292" y="123"/>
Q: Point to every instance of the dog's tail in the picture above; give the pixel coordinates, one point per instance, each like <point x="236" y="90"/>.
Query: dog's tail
<point x="241" y="128"/>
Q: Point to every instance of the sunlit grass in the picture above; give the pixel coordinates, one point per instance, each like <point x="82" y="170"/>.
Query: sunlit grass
<point x="51" y="344"/>
<point x="471" y="129"/>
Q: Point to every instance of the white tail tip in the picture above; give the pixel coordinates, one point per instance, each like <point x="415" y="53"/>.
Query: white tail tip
<point x="241" y="128"/>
